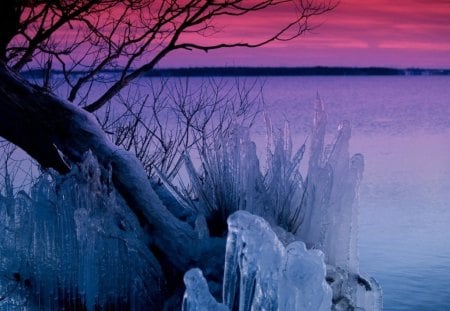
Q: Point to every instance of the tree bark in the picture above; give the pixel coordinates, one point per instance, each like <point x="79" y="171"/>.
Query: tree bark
<point x="47" y="127"/>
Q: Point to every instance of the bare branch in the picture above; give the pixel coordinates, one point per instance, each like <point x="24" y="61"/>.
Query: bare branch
<point x="87" y="37"/>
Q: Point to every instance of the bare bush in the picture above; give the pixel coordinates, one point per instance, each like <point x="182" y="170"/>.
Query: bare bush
<point x="17" y="170"/>
<point x="162" y="119"/>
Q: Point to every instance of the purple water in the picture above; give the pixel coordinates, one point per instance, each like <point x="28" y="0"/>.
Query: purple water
<point x="402" y="126"/>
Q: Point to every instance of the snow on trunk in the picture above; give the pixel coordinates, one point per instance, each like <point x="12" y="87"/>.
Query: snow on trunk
<point x="52" y="130"/>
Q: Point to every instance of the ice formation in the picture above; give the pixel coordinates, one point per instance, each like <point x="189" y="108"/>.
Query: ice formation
<point x="71" y="243"/>
<point x="320" y="210"/>
<point x="262" y="274"/>
<point x="231" y="179"/>
<point x="330" y="221"/>
<point x="197" y="296"/>
<point x="291" y="241"/>
<point x="270" y="276"/>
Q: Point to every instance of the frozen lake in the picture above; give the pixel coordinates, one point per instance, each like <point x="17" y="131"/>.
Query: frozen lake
<point x="402" y="126"/>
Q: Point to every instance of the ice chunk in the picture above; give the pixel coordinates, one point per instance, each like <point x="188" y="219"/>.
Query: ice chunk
<point x="304" y="287"/>
<point x="197" y="296"/>
<point x="253" y="251"/>
<point x="263" y="275"/>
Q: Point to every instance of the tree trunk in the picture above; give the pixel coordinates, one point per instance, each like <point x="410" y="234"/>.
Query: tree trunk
<point x="47" y="127"/>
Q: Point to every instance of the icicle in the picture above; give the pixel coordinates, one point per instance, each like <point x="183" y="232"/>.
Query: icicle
<point x="269" y="276"/>
<point x="253" y="248"/>
<point x="77" y="246"/>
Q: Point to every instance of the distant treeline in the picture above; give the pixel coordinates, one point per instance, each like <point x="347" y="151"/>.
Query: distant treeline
<point x="291" y="71"/>
<point x="270" y="71"/>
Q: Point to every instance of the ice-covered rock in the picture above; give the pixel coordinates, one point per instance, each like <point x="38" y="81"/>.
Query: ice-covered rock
<point x="352" y="291"/>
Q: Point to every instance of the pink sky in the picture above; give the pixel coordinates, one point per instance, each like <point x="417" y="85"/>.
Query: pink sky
<point x="400" y="33"/>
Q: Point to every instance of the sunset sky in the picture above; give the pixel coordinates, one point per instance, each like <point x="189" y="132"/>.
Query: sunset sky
<point x="400" y="33"/>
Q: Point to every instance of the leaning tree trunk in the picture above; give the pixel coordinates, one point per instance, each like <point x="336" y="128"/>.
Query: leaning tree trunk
<point x="50" y="130"/>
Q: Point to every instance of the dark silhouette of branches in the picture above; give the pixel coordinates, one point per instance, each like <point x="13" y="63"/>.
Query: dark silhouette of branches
<point x="88" y="37"/>
<point x="184" y="115"/>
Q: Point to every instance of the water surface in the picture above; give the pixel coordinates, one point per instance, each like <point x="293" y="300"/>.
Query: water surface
<point x="402" y="126"/>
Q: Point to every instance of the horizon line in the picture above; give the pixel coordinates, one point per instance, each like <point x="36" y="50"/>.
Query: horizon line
<point x="198" y="71"/>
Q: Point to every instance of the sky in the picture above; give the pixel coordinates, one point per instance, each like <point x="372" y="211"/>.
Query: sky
<point x="392" y="33"/>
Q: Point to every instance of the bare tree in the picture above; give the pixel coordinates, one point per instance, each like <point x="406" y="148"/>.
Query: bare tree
<point x="90" y="36"/>
<point x="85" y="38"/>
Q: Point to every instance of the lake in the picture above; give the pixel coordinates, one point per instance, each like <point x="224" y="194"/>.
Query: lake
<point x="401" y="124"/>
<point x="402" y="127"/>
